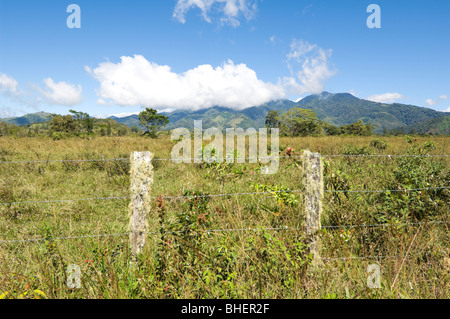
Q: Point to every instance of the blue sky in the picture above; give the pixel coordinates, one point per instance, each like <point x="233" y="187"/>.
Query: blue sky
<point x="192" y="54"/>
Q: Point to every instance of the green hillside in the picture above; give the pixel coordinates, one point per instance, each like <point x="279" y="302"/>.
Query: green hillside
<point x="436" y="126"/>
<point x="28" y="119"/>
<point x="344" y="108"/>
<point x="337" y="109"/>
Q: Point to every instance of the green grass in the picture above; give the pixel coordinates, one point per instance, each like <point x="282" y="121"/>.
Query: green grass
<point x="193" y="263"/>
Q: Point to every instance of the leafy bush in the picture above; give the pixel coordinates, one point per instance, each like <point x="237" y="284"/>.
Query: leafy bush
<point x="421" y="174"/>
<point x="357" y="150"/>
<point x="379" y="144"/>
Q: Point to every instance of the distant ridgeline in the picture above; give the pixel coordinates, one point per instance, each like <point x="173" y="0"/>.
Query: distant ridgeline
<point x="334" y="109"/>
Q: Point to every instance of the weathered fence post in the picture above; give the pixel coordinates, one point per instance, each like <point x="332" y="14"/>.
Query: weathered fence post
<point x="313" y="182"/>
<point x="141" y="175"/>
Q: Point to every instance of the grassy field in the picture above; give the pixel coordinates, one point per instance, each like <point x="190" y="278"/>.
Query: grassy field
<point x="184" y="260"/>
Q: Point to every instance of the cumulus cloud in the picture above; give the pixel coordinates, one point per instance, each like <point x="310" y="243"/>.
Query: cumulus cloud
<point x="230" y="11"/>
<point x="447" y="110"/>
<point x="431" y="102"/>
<point x="385" y="98"/>
<point x="61" y="93"/>
<point x="8" y="85"/>
<point x="135" y="81"/>
<point x="310" y="65"/>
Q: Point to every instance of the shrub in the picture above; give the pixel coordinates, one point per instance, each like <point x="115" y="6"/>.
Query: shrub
<point x="356" y="150"/>
<point x="379" y="144"/>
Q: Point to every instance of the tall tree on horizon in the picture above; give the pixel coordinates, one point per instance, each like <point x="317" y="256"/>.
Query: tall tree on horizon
<point x="152" y="121"/>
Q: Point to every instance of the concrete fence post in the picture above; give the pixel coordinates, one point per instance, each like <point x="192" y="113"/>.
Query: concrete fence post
<point x="141" y="174"/>
<point x="313" y="195"/>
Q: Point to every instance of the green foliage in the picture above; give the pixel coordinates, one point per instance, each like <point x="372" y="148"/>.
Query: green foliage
<point x="152" y="121"/>
<point x="63" y="124"/>
<point x="276" y="259"/>
<point x="356" y="150"/>
<point x="85" y="122"/>
<point x="272" y="119"/>
<point x="331" y="129"/>
<point x="357" y="128"/>
<point x="224" y="246"/>
<point x="434" y="126"/>
<point x="415" y="171"/>
<point x="299" y="122"/>
<point x="7" y="129"/>
<point x="283" y="195"/>
<point x="379" y="144"/>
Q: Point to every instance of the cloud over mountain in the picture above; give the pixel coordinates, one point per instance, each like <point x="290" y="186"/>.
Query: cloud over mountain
<point x="136" y="81"/>
<point x="385" y="97"/>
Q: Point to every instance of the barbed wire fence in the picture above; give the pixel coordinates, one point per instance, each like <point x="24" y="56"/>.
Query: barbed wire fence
<point x="146" y="233"/>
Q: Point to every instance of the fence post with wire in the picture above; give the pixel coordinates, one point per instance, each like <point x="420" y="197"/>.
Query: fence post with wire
<point x="313" y="195"/>
<point x="141" y="174"/>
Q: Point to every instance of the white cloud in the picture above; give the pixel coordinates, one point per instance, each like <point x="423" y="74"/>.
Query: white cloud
<point x="61" y="93"/>
<point x="230" y="11"/>
<point x="136" y="81"/>
<point x="353" y="92"/>
<point x="447" y="110"/>
<point x="8" y="85"/>
<point x="315" y="68"/>
<point x="6" y="112"/>
<point x="431" y="102"/>
<point x="385" y="98"/>
<point x="116" y="115"/>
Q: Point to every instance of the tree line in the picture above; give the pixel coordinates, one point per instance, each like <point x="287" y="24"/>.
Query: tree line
<point x="82" y="124"/>
<point x="304" y="122"/>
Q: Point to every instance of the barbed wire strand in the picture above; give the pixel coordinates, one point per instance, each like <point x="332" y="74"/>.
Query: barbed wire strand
<point x="67" y="161"/>
<point x="384" y="190"/>
<point x="409" y="255"/>
<point x="220" y="195"/>
<point x="189" y="160"/>
<point x="181" y="160"/>
<point x="151" y="233"/>
<point x="219" y="230"/>
<point x="64" y="200"/>
<point x="360" y="257"/>
<point x="61" y="238"/>
<point x="385" y="225"/>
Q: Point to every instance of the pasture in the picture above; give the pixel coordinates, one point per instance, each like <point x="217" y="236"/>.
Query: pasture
<point x="65" y="202"/>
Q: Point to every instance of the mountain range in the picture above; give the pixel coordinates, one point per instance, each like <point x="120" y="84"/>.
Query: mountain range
<point x="334" y="108"/>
